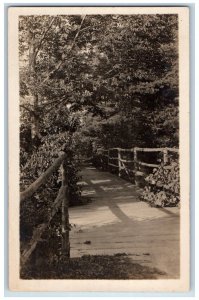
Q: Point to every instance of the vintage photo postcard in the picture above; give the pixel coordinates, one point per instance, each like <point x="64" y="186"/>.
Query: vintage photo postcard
<point x="98" y="149"/>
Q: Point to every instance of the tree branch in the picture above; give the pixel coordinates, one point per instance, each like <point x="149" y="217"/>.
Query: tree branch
<point x="26" y="108"/>
<point x="77" y="34"/>
<point x="43" y="36"/>
<point x="84" y="28"/>
<point x="56" y="103"/>
<point x="71" y="48"/>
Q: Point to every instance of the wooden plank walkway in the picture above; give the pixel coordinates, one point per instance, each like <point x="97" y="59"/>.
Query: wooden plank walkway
<point x="115" y="221"/>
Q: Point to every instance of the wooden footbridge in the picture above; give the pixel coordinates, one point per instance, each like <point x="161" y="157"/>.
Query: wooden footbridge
<point x="115" y="221"/>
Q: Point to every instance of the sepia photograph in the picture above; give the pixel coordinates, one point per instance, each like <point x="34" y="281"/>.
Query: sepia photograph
<point x="99" y="148"/>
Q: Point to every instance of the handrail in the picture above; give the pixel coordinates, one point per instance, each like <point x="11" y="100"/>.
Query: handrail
<point x="42" y="179"/>
<point x="110" y="164"/>
<point x="39" y="230"/>
<point x="149" y="149"/>
<point x="126" y="161"/>
<point x="147" y="165"/>
<point x="173" y="150"/>
<point x="121" y="149"/>
<point x="156" y="149"/>
<point x="121" y="162"/>
<point x="62" y="200"/>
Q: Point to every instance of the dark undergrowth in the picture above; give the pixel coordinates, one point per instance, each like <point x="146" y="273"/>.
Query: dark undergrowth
<point x="118" y="266"/>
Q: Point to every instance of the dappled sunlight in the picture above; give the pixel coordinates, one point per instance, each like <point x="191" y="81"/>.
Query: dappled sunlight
<point x="102" y="216"/>
<point x="131" y="186"/>
<point x="141" y="211"/>
<point x="100" y="181"/>
<point x="90" y="168"/>
<point x="120" y="212"/>
<point x="88" y="192"/>
<point x="123" y="197"/>
<point x="82" y="183"/>
<point x="111" y="188"/>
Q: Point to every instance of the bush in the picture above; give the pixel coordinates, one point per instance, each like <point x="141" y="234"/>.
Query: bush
<point x="163" y="186"/>
<point x="36" y="209"/>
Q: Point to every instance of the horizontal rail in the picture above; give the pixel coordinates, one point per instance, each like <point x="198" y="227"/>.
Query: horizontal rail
<point x="42" y="179"/>
<point x="147" y="165"/>
<point x="149" y="149"/>
<point x="126" y="161"/>
<point x="173" y="150"/>
<point x="102" y="150"/>
<point x="138" y="162"/>
<point x="114" y="149"/>
<point x="126" y="150"/>
<point x="122" y="150"/>
<point x="156" y="149"/>
<point x="143" y="149"/>
<point x="113" y="165"/>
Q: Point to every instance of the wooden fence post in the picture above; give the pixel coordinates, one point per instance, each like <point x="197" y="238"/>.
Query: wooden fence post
<point x="135" y="158"/>
<point x="135" y="163"/>
<point x="65" y="214"/>
<point x="165" y="156"/>
<point x="108" y="159"/>
<point x="119" y="162"/>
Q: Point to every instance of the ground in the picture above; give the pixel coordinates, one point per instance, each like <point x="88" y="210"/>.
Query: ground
<point x="116" y="221"/>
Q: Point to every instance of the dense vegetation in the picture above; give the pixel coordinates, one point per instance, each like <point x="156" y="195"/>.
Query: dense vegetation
<point x="92" y="81"/>
<point x="99" y="75"/>
<point x="163" y="186"/>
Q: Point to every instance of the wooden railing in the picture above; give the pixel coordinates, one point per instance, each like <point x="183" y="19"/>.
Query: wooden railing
<point x="61" y="201"/>
<point x="129" y="163"/>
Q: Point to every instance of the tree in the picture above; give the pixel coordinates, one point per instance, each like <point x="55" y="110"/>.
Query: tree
<point x="138" y="75"/>
<point x="90" y="61"/>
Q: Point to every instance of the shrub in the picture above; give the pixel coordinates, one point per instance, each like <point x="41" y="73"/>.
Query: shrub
<point x="163" y="186"/>
<point x="35" y="210"/>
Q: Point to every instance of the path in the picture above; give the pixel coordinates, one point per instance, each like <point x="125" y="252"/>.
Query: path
<point x="115" y="221"/>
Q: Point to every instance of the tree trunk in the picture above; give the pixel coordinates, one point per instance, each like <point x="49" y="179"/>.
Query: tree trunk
<point x="35" y="119"/>
<point x="65" y="215"/>
<point x="35" y="98"/>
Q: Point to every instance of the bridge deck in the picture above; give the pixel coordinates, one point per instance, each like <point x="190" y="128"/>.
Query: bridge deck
<point x="115" y="221"/>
